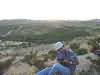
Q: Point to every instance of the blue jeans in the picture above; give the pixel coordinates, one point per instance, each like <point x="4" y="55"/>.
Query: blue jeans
<point x="54" y="69"/>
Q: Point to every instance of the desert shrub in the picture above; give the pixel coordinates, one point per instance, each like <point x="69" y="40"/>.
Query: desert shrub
<point x="52" y="54"/>
<point x="96" y="61"/>
<point x="33" y="59"/>
<point x="95" y="43"/>
<point x="45" y="57"/>
<point x="81" y="51"/>
<point x="74" y="46"/>
<point x="89" y="57"/>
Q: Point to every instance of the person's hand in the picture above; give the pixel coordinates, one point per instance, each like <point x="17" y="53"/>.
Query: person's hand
<point x="76" y="63"/>
<point x="66" y="61"/>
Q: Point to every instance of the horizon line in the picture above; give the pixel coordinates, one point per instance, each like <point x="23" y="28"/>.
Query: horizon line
<point x="51" y="19"/>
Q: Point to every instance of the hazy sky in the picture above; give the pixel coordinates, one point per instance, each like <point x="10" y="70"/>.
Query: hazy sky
<point x="50" y="9"/>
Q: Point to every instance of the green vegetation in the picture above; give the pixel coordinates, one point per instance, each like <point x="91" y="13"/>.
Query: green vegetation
<point x="96" y="62"/>
<point x="52" y="54"/>
<point x="33" y="59"/>
<point x="77" y="49"/>
<point x="81" y="51"/>
<point x="47" y="31"/>
<point x="59" y="34"/>
<point x="74" y="46"/>
<point x="95" y="43"/>
<point x="38" y="61"/>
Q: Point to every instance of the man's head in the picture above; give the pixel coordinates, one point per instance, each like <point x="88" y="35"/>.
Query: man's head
<point x="59" y="45"/>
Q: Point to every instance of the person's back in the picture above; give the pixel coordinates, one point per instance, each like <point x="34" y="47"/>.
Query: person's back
<point x="71" y="56"/>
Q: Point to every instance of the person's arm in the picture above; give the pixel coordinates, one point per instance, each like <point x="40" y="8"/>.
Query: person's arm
<point x="70" y="62"/>
<point x="75" y="61"/>
<point x="64" y="62"/>
<point x="61" y="59"/>
<point x="67" y="61"/>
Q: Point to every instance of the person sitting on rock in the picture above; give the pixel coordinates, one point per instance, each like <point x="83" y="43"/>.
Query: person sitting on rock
<point x="66" y="62"/>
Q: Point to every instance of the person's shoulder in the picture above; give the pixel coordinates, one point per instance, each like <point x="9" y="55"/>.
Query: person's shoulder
<point x="69" y="50"/>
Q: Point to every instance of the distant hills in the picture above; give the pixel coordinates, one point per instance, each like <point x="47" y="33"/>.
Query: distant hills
<point x="44" y="31"/>
<point x="44" y="22"/>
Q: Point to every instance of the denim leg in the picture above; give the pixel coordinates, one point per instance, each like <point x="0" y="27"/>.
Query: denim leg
<point x="44" y="71"/>
<point x="59" y="68"/>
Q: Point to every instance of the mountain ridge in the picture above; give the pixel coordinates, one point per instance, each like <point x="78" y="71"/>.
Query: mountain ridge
<point x="39" y="22"/>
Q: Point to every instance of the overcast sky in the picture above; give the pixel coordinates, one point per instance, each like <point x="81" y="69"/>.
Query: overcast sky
<point x="50" y="9"/>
